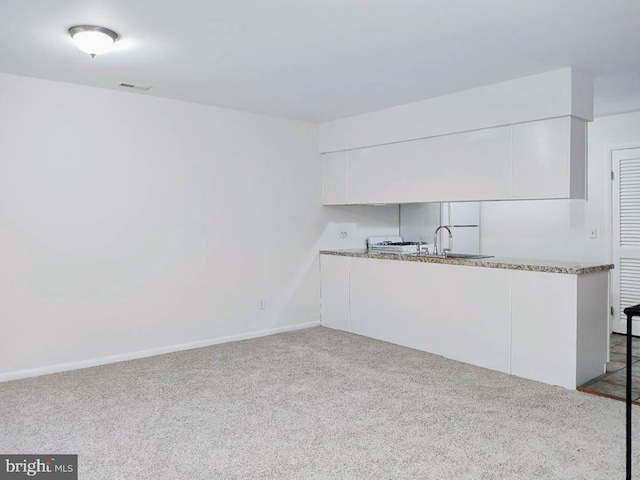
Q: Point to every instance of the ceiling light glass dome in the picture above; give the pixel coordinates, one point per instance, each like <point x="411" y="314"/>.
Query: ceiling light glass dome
<point x="93" y="40"/>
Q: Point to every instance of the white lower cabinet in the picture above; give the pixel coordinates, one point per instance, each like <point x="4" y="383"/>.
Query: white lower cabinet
<point x="549" y="327"/>
<point x="459" y="312"/>
<point x="559" y="326"/>
<point x="391" y="301"/>
<point x="543" y="345"/>
<point x="334" y="284"/>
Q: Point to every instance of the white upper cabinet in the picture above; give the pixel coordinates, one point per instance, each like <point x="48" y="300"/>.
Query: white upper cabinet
<point x="534" y="160"/>
<point x="466" y="166"/>
<point x="549" y="159"/>
<point x="334" y="178"/>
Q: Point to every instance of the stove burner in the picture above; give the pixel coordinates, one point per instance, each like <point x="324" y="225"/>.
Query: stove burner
<point x="398" y="243"/>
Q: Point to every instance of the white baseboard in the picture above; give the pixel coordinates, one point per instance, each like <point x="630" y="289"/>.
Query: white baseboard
<point x="94" y="362"/>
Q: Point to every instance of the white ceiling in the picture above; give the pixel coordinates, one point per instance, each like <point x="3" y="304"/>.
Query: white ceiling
<point x="324" y="59"/>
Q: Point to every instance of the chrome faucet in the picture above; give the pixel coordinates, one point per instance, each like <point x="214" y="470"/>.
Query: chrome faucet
<point x="435" y="240"/>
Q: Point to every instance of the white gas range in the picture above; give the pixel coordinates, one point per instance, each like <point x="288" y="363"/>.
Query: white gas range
<point x="397" y="245"/>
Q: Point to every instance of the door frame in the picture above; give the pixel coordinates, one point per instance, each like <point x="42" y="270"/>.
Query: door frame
<point x="610" y="149"/>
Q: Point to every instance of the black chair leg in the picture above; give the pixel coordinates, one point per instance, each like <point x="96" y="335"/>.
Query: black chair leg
<point x="629" y="353"/>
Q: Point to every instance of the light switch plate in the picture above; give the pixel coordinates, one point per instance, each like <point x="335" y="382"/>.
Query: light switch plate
<point x="593" y="233"/>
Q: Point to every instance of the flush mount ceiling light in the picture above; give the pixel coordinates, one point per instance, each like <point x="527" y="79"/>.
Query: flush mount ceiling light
<point x="93" y="40"/>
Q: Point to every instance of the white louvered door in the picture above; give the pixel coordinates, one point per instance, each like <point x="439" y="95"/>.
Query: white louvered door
<point x="625" y="278"/>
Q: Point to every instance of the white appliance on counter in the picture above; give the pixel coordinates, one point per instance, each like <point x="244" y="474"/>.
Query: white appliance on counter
<point x="418" y="222"/>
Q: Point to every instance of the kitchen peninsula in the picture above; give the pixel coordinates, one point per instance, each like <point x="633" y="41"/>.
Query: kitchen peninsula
<point x="542" y="320"/>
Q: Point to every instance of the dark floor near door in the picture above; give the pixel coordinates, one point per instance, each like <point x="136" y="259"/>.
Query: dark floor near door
<point x="613" y="383"/>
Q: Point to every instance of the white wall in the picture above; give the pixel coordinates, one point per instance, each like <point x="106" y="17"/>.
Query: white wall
<point x="559" y="229"/>
<point x="418" y="221"/>
<point x="130" y="223"/>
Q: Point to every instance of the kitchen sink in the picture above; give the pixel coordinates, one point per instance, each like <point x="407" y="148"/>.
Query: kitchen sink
<point x="466" y="256"/>
<point x="469" y="256"/>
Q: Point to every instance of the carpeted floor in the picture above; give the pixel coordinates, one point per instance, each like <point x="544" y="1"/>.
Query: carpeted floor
<point x="312" y="404"/>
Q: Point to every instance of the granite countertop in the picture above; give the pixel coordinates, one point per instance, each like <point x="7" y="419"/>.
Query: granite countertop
<point x="550" y="266"/>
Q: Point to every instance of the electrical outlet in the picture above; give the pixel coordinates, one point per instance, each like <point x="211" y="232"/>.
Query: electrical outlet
<point x="345" y="230"/>
<point x="593" y="233"/>
<point x="262" y="305"/>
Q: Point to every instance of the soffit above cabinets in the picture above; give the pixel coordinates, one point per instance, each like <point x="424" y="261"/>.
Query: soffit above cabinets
<point x="564" y="92"/>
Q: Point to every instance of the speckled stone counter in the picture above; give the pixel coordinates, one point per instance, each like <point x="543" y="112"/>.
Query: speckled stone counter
<point x="549" y="266"/>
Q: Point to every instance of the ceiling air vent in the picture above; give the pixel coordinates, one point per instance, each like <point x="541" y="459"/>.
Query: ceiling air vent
<point x="134" y="87"/>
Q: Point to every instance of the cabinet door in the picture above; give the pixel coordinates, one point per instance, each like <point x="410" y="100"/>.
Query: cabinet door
<point x="393" y="301"/>
<point x="475" y="311"/>
<point x="334" y="284"/>
<point x="459" y="312"/>
<point x="334" y="178"/>
<point x="465" y="166"/>
<point x="549" y="159"/>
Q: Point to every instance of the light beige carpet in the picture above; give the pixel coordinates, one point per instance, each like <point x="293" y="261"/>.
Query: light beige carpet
<point x="312" y="404"/>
